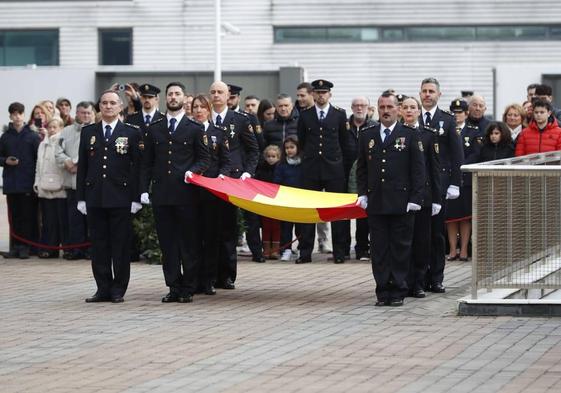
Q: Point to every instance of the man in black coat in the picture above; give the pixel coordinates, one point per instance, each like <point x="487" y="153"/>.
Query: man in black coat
<point x="107" y="191"/>
<point x="244" y="154"/>
<point x="174" y="148"/>
<point x="149" y="114"/>
<point x="390" y="173"/>
<point x="284" y="124"/>
<point x="442" y="123"/>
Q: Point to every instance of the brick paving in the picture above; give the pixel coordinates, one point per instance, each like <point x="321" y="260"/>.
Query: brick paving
<point x="286" y="328"/>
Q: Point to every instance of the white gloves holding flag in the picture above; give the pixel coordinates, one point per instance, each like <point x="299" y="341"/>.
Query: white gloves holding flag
<point x="412" y="207"/>
<point x="453" y="192"/>
<point x="188" y="175"/>
<point x="135" y="207"/>
<point x="436" y="209"/>
<point x="81" y="206"/>
<point x="362" y="201"/>
<point x="245" y="175"/>
<point x="144" y="198"/>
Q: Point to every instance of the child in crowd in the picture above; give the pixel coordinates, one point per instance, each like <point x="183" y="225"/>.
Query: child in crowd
<point x="271" y="227"/>
<point x="287" y="173"/>
<point x="497" y="143"/>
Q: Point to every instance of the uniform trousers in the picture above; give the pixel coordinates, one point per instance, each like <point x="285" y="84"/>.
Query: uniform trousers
<point x="177" y="228"/>
<point x="435" y="274"/>
<point x="211" y="222"/>
<point x="110" y="231"/>
<point x="77" y="223"/>
<point x="362" y="245"/>
<point x="421" y="254"/>
<point x="306" y="244"/>
<point x="252" y="233"/>
<point x="228" y="259"/>
<point x="391" y="253"/>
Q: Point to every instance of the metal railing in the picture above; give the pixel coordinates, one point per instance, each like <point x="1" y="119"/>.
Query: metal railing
<point x="516" y="223"/>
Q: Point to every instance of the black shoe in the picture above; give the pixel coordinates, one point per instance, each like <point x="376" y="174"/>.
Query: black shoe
<point x="418" y="293"/>
<point x="117" y="299"/>
<point x="11" y="254"/>
<point x="339" y="260"/>
<point x="438" y="288"/>
<point x="23" y="253"/>
<point x="396" y="303"/>
<point x="381" y="303"/>
<point x="185" y="299"/>
<point x="96" y="298"/>
<point x="303" y="260"/>
<point x="170" y="298"/>
<point x="209" y="290"/>
<point x="74" y="256"/>
<point x="229" y="284"/>
<point x="258" y="259"/>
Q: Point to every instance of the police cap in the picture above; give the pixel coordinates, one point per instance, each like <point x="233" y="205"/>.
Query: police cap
<point x="458" y="105"/>
<point x="148" y="90"/>
<point x="322" y="85"/>
<point x="235" y="90"/>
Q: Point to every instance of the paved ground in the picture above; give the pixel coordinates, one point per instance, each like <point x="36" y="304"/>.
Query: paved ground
<point x="286" y="328"/>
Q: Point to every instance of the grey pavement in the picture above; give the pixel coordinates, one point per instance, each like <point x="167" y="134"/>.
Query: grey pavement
<point x="285" y="328"/>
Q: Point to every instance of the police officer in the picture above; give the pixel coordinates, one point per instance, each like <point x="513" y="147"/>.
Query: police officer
<point x="390" y="174"/>
<point x="244" y="154"/>
<point x="107" y="191"/>
<point x="322" y="132"/>
<point x="421" y="252"/>
<point x="149" y="114"/>
<point x="441" y="122"/>
<point x="175" y="149"/>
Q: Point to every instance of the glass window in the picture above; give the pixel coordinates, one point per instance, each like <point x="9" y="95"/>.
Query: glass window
<point x="20" y="48"/>
<point x="555" y="32"/>
<point x="455" y="33"/>
<point x="115" y="47"/>
<point x="393" y="34"/>
<point x="369" y="34"/>
<point x="304" y="34"/>
<point x="511" y="33"/>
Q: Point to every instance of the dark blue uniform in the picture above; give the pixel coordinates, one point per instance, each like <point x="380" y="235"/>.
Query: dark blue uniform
<point x="391" y="174"/>
<point x="244" y="154"/>
<point x="107" y="180"/>
<point x="137" y="118"/>
<point x="451" y="157"/>
<point x="322" y="146"/>
<point x="432" y="193"/>
<point x="167" y="156"/>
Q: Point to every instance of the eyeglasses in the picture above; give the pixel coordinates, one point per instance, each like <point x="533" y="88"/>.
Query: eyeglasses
<point x="359" y="105"/>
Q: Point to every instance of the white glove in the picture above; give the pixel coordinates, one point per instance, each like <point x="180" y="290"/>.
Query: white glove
<point x="453" y="192"/>
<point x="221" y="176"/>
<point x="245" y="175"/>
<point x="135" y="207"/>
<point x="188" y="175"/>
<point x="412" y="207"/>
<point x="144" y="198"/>
<point x="81" y="206"/>
<point x="362" y="201"/>
<point x="436" y="209"/>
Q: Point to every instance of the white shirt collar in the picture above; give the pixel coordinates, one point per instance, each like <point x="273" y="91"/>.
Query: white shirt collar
<point x="177" y="117"/>
<point x="325" y="110"/>
<point x="206" y="124"/>
<point x="432" y="112"/>
<point x="113" y="124"/>
<point x="222" y="114"/>
<point x="383" y="128"/>
<point x="151" y="114"/>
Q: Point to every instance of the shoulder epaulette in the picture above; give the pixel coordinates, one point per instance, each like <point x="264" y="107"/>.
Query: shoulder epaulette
<point x="158" y="120"/>
<point x="371" y="126"/>
<point x="447" y="112"/>
<point x="132" y="125"/>
<point x="307" y="109"/>
<point x="240" y="113"/>
<point x="409" y="126"/>
<point x="430" y="129"/>
<point x="338" y="108"/>
<point x="194" y="121"/>
<point x="472" y="127"/>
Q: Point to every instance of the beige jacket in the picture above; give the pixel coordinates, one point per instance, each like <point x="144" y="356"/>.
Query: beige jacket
<point x="49" y="176"/>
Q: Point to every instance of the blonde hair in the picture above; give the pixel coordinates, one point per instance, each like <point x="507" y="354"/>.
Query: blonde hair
<point x="274" y="148"/>
<point x="56" y="120"/>
<point x="518" y="108"/>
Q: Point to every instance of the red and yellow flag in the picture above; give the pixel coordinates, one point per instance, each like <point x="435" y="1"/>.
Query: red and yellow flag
<point x="282" y="202"/>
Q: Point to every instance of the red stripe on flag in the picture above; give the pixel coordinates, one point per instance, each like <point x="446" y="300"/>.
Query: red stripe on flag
<point x="346" y="212"/>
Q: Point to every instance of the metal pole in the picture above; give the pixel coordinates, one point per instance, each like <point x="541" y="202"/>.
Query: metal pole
<point x="217" y="41"/>
<point x="474" y="233"/>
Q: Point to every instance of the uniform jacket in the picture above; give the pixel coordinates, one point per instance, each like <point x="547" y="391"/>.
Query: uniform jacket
<point x="450" y="147"/>
<point x="532" y="140"/>
<point x="481" y="124"/>
<point x="244" y="150"/>
<point x="490" y="152"/>
<point x="322" y="143"/>
<point x="472" y="140"/>
<point x="48" y="171"/>
<point x="137" y="119"/>
<point x="108" y="172"/>
<point x="275" y="131"/>
<point x="432" y="189"/>
<point x="218" y="148"/>
<point x="23" y="145"/>
<point x="166" y="158"/>
<point x="390" y="173"/>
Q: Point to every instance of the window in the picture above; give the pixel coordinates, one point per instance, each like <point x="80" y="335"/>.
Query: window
<point x="20" y="48"/>
<point x="456" y="33"/>
<point x="115" y="47"/>
<point x="505" y="33"/>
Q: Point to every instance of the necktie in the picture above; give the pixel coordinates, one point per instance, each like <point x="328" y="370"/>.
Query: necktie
<point x="428" y="116"/>
<point x="147" y="119"/>
<point x="321" y="115"/>
<point x="218" y="120"/>
<point x="107" y="131"/>
<point x="172" y="122"/>
<point x="387" y="133"/>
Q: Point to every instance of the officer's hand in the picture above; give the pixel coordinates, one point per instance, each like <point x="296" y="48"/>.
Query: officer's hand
<point x="362" y="201"/>
<point x="188" y="175"/>
<point x="453" y="192"/>
<point x="81" y="206"/>
<point x="436" y="209"/>
<point x="413" y="207"/>
<point x="135" y="207"/>
<point x="221" y="176"/>
<point x="245" y="175"/>
<point x="144" y="198"/>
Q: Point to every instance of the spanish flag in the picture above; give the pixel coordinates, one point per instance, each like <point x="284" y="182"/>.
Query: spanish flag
<point x="282" y="202"/>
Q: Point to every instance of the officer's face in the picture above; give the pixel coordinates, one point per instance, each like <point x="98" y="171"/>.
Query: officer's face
<point x="149" y="102"/>
<point x="85" y="115"/>
<point x="410" y="111"/>
<point x="233" y="101"/>
<point x="460" y="117"/>
<point x="200" y="112"/>
<point x="219" y="95"/>
<point x="284" y="107"/>
<point x="477" y="108"/>
<point x="174" y="98"/>
<point x="388" y="110"/>
<point x="304" y="98"/>
<point x="321" y="97"/>
<point x="429" y="94"/>
<point x="110" y="105"/>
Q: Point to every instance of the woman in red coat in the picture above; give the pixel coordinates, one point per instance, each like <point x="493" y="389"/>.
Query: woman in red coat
<point x="542" y="135"/>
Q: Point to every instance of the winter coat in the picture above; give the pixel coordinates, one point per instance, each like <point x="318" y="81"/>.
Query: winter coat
<point x="49" y="176"/>
<point x="532" y="140"/>
<point x="23" y="145"/>
<point x="490" y="152"/>
<point x="288" y="174"/>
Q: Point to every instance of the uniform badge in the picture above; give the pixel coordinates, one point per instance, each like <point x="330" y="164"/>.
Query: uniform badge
<point x="400" y="143"/>
<point x="479" y="140"/>
<point x="466" y="141"/>
<point x="205" y="140"/>
<point x="258" y="129"/>
<point x="141" y="145"/>
<point x="122" y="145"/>
<point x="250" y="128"/>
<point x="441" y="129"/>
<point x="227" y="144"/>
<point x="213" y="139"/>
<point x="459" y="131"/>
<point x="348" y="126"/>
<point x="232" y="133"/>
<point x="371" y="144"/>
<point x="92" y="140"/>
<point x="436" y="148"/>
<point x="421" y="148"/>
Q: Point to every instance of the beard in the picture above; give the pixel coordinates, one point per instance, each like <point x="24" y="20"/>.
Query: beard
<point x="174" y="106"/>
